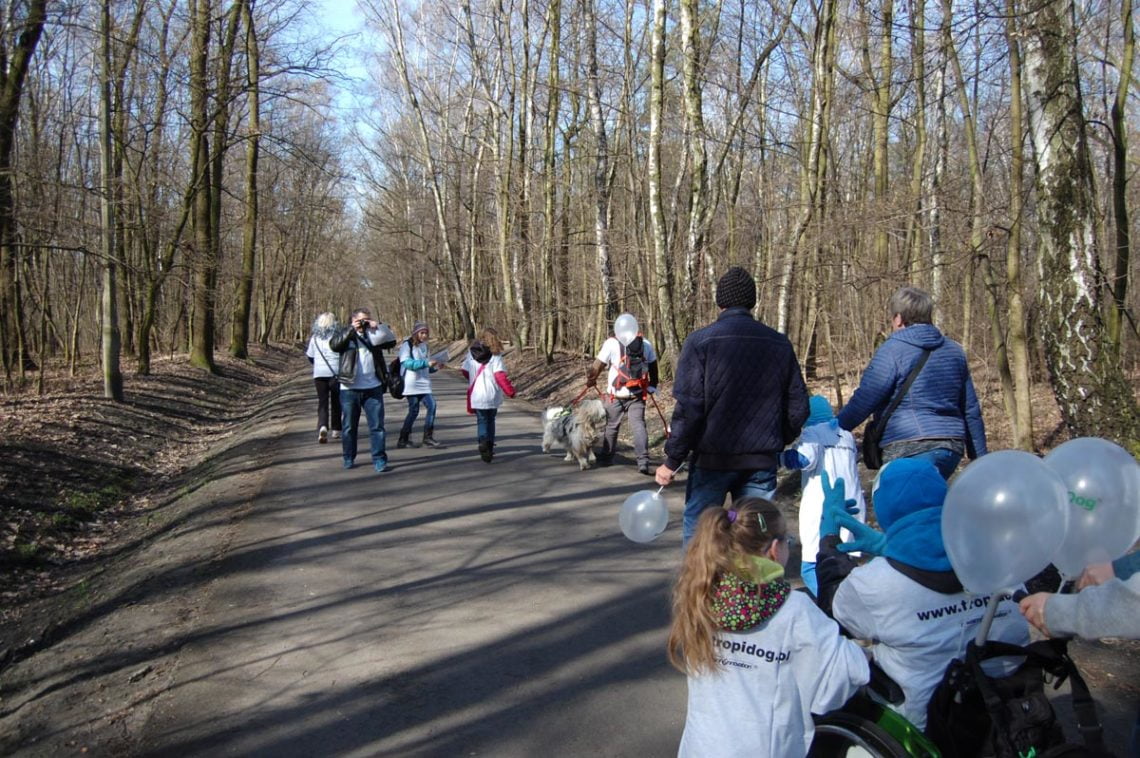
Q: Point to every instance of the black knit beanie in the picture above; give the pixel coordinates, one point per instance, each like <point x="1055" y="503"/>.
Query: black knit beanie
<point x="736" y="288"/>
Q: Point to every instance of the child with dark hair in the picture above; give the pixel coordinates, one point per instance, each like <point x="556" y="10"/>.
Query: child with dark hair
<point x="760" y="658"/>
<point x="487" y="383"/>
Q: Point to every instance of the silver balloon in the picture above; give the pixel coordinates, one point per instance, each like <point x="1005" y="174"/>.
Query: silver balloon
<point x="625" y="328"/>
<point x="643" y="516"/>
<point x="1003" y="520"/>
<point x="1103" y="498"/>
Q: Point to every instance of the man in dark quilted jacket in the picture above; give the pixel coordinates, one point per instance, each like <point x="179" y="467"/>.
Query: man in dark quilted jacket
<point x="740" y="400"/>
<point x="939" y="419"/>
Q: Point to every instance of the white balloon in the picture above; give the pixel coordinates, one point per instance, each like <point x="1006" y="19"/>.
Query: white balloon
<point x="1103" y="497"/>
<point x="1003" y="520"/>
<point x="625" y="328"/>
<point x="643" y="516"/>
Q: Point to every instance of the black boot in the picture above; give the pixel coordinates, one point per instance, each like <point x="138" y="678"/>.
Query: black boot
<point x="429" y="440"/>
<point x="403" y="441"/>
<point x="486" y="450"/>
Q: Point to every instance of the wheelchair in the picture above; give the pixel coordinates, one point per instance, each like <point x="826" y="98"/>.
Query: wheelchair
<point x="866" y="727"/>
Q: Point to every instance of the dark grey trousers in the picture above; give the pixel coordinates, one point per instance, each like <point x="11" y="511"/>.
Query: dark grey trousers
<point x="634" y="407"/>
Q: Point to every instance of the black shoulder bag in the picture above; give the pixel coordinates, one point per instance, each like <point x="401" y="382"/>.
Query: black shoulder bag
<point x="872" y="450"/>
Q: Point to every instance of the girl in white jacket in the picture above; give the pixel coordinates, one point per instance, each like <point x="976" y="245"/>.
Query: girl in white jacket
<point x="760" y="658"/>
<point x="487" y="382"/>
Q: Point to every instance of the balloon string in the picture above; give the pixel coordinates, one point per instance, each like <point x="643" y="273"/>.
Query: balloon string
<point x="679" y="470"/>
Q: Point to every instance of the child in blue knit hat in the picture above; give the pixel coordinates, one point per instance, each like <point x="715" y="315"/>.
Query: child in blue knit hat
<point x="908" y="601"/>
<point x="821" y="447"/>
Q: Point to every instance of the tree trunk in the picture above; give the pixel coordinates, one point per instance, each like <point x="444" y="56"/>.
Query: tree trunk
<point x="1120" y="213"/>
<point x="1092" y="391"/>
<point x="662" y="260"/>
<point x="239" y="338"/>
<point x="1018" y="340"/>
<point x="609" y="302"/>
<point x="13" y="69"/>
<point x="205" y="257"/>
<point x="112" y="376"/>
<point x="698" y="159"/>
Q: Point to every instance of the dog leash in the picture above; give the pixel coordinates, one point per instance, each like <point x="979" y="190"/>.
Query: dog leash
<point x="664" y="423"/>
<point x="582" y="394"/>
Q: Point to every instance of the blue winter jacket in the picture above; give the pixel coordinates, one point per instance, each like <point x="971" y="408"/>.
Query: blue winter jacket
<point x="740" y="396"/>
<point x="941" y="404"/>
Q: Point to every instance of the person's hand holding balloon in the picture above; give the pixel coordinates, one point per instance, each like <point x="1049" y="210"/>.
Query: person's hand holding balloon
<point x="1033" y="608"/>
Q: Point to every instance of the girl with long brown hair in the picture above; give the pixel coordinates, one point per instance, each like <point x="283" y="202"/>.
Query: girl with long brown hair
<point x="760" y="658"/>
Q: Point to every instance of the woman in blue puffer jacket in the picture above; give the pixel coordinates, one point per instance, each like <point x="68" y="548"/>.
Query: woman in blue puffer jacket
<point x="939" y="419"/>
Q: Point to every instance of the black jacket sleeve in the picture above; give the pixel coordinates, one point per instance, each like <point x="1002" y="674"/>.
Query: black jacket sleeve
<point x="831" y="568"/>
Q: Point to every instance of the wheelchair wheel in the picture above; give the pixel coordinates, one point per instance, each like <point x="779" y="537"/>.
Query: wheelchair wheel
<point x="847" y="735"/>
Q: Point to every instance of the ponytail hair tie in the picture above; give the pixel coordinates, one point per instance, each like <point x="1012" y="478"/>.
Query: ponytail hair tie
<point x="761" y="522"/>
<point x="731" y="516"/>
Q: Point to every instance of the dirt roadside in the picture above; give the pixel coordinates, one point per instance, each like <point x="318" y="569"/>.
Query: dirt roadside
<point x="154" y="490"/>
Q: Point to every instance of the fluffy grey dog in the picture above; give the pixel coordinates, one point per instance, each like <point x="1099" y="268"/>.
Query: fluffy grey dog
<point x="576" y="428"/>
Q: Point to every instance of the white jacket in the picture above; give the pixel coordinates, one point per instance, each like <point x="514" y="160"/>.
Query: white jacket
<point x="840" y="461"/>
<point x="771" y="679"/>
<point x="485" y="391"/>
<point x="917" y="631"/>
<point x="416" y="382"/>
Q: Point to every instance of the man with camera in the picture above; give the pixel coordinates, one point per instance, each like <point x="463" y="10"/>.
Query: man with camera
<point x="362" y="383"/>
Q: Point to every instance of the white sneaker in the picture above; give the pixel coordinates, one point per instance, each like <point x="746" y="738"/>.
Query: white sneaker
<point x="323" y="434"/>
<point x="336" y="434"/>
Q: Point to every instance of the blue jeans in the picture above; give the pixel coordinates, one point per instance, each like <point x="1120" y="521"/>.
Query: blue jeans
<point x="485" y="423"/>
<point x="372" y="402"/>
<point x="706" y="489"/>
<point x="943" y="459"/>
<point x="414" y="410"/>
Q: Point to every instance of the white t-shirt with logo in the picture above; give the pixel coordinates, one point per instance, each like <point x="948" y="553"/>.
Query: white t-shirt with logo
<point x="917" y="631"/>
<point x="769" y="682"/>
<point x="610" y="354"/>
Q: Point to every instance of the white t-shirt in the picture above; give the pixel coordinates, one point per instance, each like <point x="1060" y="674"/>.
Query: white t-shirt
<point x="610" y="354"/>
<point x="917" y="631"/>
<point x="416" y="382"/>
<point x="485" y="391"/>
<point x="324" y="359"/>
<point x="771" y="679"/>
<point x="366" y="370"/>
<point x="840" y="461"/>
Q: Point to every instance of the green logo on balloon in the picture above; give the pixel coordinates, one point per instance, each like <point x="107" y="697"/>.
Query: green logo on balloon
<point x="1088" y="503"/>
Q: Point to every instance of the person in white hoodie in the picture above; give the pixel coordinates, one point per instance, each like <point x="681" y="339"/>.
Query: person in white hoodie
<point x="760" y="658"/>
<point x="822" y="448"/>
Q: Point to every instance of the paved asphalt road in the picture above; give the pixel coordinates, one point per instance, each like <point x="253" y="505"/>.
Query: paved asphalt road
<point x="446" y="607"/>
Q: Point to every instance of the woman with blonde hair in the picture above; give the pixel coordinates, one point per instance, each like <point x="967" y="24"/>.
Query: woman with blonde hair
<point x="324" y="361"/>
<point x="760" y="658"/>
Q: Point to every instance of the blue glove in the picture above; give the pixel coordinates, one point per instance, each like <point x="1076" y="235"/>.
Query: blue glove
<point x="793" y="459"/>
<point x="867" y="539"/>
<point x="834" y="506"/>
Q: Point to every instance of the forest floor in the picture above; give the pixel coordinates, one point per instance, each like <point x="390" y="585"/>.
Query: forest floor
<point x="86" y="484"/>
